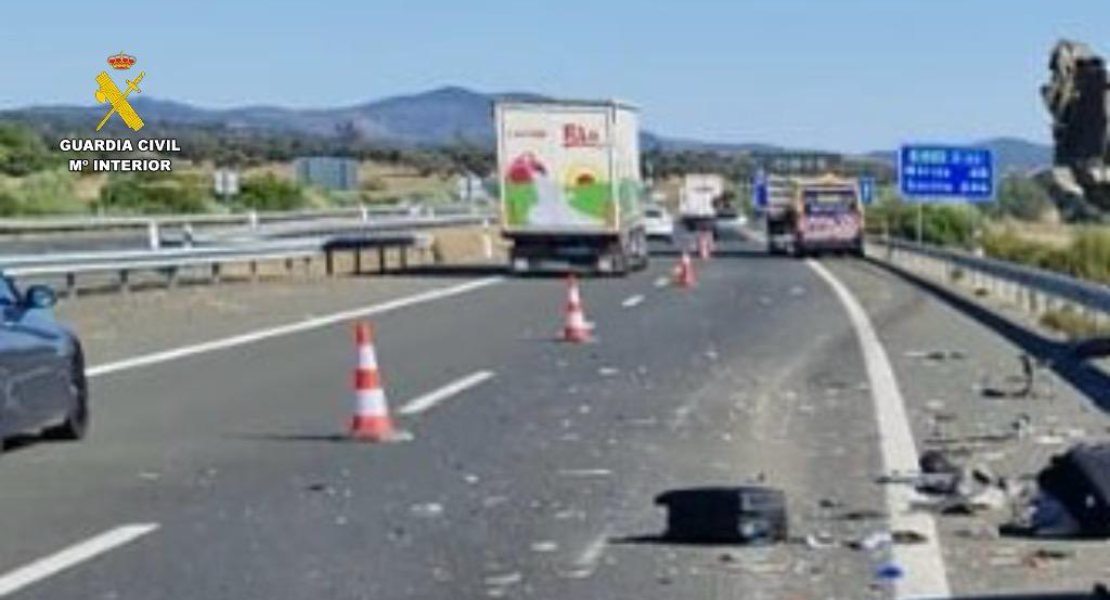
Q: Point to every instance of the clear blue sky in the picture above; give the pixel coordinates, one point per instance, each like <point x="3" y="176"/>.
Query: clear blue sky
<point x="837" y="74"/>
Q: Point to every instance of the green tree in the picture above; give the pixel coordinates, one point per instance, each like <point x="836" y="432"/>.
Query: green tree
<point x="154" y="193"/>
<point x="22" y="151"/>
<point x="1021" y="198"/>
<point x="269" y="192"/>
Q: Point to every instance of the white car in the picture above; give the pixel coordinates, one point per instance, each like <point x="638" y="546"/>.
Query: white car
<point x="658" y="223"/>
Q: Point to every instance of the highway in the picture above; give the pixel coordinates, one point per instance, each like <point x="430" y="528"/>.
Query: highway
<point x="217" y="466"/>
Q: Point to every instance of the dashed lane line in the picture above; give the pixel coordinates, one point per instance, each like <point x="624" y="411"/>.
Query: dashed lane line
<point x="288" y="329"/>
<point x="72" y="556"/>
<point x="431" y="399"/>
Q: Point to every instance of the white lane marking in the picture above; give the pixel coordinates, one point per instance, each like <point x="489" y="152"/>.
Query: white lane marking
<point x="585" y="472"/>
<point x="632" y="301"/>
<point x="925" y="575"/>
<point x="429" y="400"/>
<point x="78" y="553"/>
<point x="288" y="329"/>
<point x="587" y="559"/>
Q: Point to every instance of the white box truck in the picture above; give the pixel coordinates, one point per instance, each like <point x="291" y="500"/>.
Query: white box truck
<point x="570" y="185"/>
<point x="697" y="200"/>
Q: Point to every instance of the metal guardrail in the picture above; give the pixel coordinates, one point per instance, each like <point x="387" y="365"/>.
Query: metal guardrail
<point x="289" y="243"/>
<point x="250" y="219"/>
<point x="1032" y="282"/>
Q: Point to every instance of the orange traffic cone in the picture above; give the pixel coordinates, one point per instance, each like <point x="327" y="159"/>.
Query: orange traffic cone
<point x="684" y="272"/>
<point x="371" y="422"/>
<point x="577" y="330"/>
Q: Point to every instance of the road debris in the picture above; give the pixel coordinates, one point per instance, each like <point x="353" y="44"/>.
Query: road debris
<point x="1073" y="497"/>
<point x="935" y="355"/>
<point x="746" y="515"/>
<point x="427" y="510"/>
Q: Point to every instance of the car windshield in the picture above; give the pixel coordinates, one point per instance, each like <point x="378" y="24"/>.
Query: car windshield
<point x="568" y="300"/>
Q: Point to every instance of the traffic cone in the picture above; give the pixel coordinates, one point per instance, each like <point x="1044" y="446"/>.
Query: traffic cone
<point x="371" y="422"/>
<point x="684" y="272"/>
<point x="576" y="330"/>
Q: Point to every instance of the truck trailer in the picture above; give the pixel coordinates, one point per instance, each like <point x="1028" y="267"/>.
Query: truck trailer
<point x="570" y="185"/>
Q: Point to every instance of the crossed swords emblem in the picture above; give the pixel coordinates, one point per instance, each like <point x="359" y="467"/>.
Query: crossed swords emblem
<point x="108" y="92"/>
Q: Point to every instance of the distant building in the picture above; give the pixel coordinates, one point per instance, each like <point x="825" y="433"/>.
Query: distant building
<point x="327" y="172"/>
<point x="470" y="188"/>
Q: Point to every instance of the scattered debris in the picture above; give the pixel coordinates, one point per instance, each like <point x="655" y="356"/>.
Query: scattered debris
<point x="1042" y="557"/>
<point x="545" y="546"/>
<point x="504" y="580"/>
<point x="1023" y="385"/>
<point x="873" y="541"/>
<point x="1073" y="498"/>
<point x="908" y="537"/>
<point x="936" y="355"/>
<point x="585" y="472"/>
<point x="820" y="541"/>
<point x="427" y="510"/>
<point x="608" y="371"/>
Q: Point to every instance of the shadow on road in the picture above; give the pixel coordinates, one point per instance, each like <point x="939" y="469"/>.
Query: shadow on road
<point x="1059" y="356"/>
<point x="333" y="438"/>
<point x="462" y="271"/>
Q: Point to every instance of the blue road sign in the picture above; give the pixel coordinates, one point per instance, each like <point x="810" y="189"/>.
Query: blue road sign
<point x="866" y="190"/>
<point x="759" y="189"/>
<point x="937" y="173"/>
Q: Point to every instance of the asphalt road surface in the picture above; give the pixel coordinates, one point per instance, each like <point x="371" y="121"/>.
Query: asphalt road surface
<point x="220" y="470"/>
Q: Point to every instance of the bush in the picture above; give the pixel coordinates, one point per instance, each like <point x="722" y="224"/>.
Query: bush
<point x="47" y="193"/>
<point x="270" y="193"/>
<point x="22" y="151"/>
<point x="1021" y="198"/>
<point x="945" y="224"/>
<point x="154" y="193"/>
<point x="1087" y="257"/>
<point x="9" y="206"/>
<point x="1072" y="323"/>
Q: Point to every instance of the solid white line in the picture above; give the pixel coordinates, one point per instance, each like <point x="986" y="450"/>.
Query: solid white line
<point x="291" y="328"/>
<point x="632" y="301"/>
<point x="923" y="564"/>
<point x="429" y="400"/>
<point x="78" y="553"/>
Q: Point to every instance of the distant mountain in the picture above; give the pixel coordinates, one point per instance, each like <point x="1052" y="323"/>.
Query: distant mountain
<point x="437" y="117"/>
<point x="1010" y="154"/>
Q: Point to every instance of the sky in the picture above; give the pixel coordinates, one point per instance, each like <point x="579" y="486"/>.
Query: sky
<point x="848" y="75"/>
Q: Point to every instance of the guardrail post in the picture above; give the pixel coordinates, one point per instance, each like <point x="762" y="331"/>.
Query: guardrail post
<point x="357" y="256"/>
<point x="381" y="259"/>
<point x="288" y="266"/>
<point x="404" y="251"/>
<point x="71" y="285"/>
<point x="154" y="237"/>
<point x="171" y="277"/>
<point x="254" y="271"/>
<point x="215" y="277"/>
<point x="252" y="219"/>
<point x="124" y="278"/>
<point x="329" y="265"/>
<point x="307" y="263"/>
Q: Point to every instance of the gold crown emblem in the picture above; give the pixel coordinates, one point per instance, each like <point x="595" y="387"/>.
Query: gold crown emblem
<point x="121" y="61"/>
